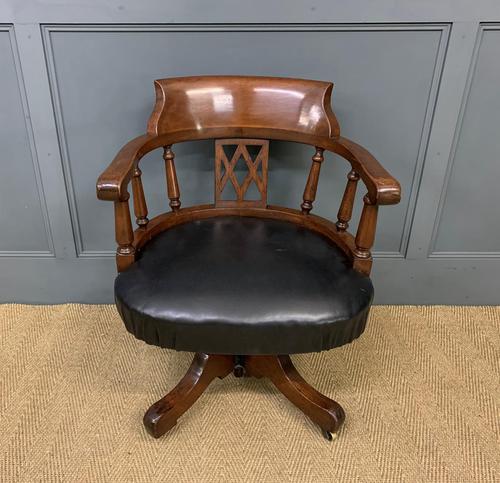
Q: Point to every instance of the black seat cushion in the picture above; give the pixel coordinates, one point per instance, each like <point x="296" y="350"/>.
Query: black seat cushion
<point x="239" y="285"/>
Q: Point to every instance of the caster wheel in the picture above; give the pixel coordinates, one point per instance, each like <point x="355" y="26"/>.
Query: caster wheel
<point x="329" y="436"/>
<point x="239" y="371"/>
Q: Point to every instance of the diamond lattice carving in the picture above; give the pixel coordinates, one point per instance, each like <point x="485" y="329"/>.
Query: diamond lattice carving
<point x="225" y="175"/>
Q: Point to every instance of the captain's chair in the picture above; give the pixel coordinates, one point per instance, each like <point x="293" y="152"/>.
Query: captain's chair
<point x="239" y="282"/>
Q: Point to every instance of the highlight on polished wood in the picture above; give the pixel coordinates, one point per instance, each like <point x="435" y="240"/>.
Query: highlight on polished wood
<point x="347" y="204"/>
<point x="312" y="181"/>
<point x="164" y="414"/>
<point x="199" y="105"/>
<point x="246" y="110"/>
<point x="140" y="206"/>
<point x="242" y="115"/>
<point x="172" y="183"/>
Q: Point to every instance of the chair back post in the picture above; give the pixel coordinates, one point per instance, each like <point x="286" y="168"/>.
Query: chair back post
<point x="125" y="253"/>
<point x="365" y="235"/>
<point x="246" y="112"/>
<point x="140" y="206"/>
<point x="172" y="183"/>
<point x="345" y="211"/>
<point x="312" y="181"/>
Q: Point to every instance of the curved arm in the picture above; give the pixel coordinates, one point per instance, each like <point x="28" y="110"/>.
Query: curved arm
<point x="112" y="184"/>
<point x="383" y="189"/>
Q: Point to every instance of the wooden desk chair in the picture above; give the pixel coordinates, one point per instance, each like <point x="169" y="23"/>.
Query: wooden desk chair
<point x="239" y="282"/>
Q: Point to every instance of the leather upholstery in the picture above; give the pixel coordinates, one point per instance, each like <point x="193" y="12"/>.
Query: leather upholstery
<point x="238" y="285"/>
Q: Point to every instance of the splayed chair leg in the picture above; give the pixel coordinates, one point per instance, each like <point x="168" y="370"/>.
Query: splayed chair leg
<point x="325" y="412"/>
<point x="163" y="415"/>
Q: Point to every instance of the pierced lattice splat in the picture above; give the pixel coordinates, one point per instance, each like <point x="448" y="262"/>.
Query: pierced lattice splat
<point x="252" y="155"/>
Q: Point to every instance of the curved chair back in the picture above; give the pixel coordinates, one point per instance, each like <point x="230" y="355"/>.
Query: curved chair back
<point x="244" y="113"/>
<point x="230" y="106"/>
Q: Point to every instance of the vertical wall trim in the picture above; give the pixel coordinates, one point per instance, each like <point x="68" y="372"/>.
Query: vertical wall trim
<point x="449" y="168"/>
<point x="63" y="144"/>
<point x="425" y="136"/>
<point x="34" y="158"/>
<point x="39" y="103"/>
<point x="453" y="84"/>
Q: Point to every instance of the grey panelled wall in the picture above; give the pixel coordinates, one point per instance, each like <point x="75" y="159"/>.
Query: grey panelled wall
<point x="84" y="69"/>
<point x="472" y="186"/>
<point x="23" y="219"/>
<point x="418" y="86"/>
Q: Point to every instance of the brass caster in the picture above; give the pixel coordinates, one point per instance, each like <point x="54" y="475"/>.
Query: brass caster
<point x="329" y="436"/>
<point x="239" y="366"/>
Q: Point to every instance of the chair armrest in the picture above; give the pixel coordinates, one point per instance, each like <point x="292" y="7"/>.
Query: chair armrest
<point x="112" y="183"/>
<point x="383" y="189"/>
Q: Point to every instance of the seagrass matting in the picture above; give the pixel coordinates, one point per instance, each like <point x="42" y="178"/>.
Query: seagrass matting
<point x="420" y="389"/>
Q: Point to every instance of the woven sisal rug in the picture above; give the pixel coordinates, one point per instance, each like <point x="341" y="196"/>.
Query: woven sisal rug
<point x="420" y="389"/>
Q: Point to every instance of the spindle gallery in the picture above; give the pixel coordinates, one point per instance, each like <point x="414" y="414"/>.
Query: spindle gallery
<point x="240" y="282"/>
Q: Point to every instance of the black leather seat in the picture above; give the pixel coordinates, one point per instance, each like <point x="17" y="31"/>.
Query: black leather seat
<point x="240" y="285"/>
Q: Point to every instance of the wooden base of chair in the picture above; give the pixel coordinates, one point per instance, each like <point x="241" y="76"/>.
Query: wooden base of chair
<point x="163" y="415"/>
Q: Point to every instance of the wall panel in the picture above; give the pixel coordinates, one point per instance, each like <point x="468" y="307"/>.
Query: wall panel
<point x="468" y="223"/>
<point x="23" y="216"/>
<point x="102" y="85"/>
<point x="416" y="83"/>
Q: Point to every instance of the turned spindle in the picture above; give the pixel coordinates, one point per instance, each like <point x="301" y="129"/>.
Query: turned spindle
<point x="312" y="181"/>
<point x="172" y="184"/>
<point x="140" y="207"/>
<point x="345" y="210"/>
<point x="365" y="236"/>
<point x="125" y="253"/>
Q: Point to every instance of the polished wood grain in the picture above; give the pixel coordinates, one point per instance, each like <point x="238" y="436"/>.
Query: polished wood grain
<point x="248" y="110"/>
<point x="365" y="236"/>
<point x="163" y="414"/>
<point x="243" y="112"/>
<point x="345" y="211"/>
<point x="140" y="206"/>
<point x="199" y="104"/>
<point x="125" y="253"/>
<point x="224" y="172"/>
<point x="382" y="187"/>
<point x="312" y="182"/>
<point x="325" y="412"/>
<point x="172" y="184"/>
<point x="262" y="108"/>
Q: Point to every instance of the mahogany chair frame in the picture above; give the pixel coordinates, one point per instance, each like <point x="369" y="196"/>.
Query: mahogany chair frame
<point x="249" y="110"/>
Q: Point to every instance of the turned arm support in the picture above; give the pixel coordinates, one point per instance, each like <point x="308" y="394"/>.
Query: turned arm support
<point x="383" y="189"/>
<point x="112" y="183"/>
